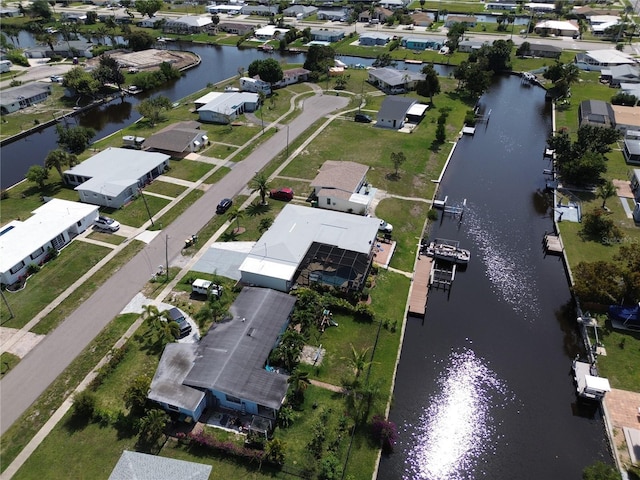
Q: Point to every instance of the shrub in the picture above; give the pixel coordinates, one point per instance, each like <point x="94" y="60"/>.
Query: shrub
<point x="17" y="58"/>
<point x="33" y="268"/>
<point x="432" y="214"/>
<point x="598" y="227"/>
<point x="364" y="312"/>
<point x="470" y="118"/>
<point x="84" y="404"/>
<point x="384" y="432"/>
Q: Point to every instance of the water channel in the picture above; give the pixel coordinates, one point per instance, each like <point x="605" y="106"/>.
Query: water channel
<point x="484" y="387"/>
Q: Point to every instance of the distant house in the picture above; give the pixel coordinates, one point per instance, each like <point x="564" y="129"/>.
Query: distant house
<point x="382" y="14"/>
<point x="269" y="31"/>
<point x="114" y="176"/>
<point x="235" y="28"/>
<point x="544" y="50"/>
<point x="52" y="225"/>
<point x="393" y="112"/>
<point x="370" y="39"/>
<point x="226" y="107"/>
<point x="631" y="152"/>
<point x="596" y="112"/>
<point x="72" y="48"/>
<point x="559" y="28"/>
<point x="262" y="10"/>
<point x="602" y="59"/>
<point x="468" y="46"/>
<point x="324" y="35"/>
<point x="333" y="15"/>
<point x="342" y="186"/>
<point x="394" y="81"/>
<point x="8" y="12"/>
<point x="626" y="118"/>
<point x="293" y="75"/>
<point x="617" y="75"/>
<point x="394" y="4"/>
<point x="136" y="465"/>
<point x="469" y="20"/>
<point x="422" y="43"/>
<point x="255" y="85"/>
<point x="227" y="369"/>
<point x="74" y="17"/>
<point x="178" y="139"/>
<point x="307" y="246"/>
<point x="601" y="23"/>
<point x="299" y="11"/>
<point x="224" y="9"/>
<point x="15" y="98"/>
<point x="421" y="19"/>
<point x="147" y="22"/>
<point x="188" y="24"/>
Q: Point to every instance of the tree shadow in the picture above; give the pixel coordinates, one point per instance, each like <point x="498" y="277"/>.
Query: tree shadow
<point x="230" y="236"/>
<point x="76" y="423"/>
<point x="393" y="177"/>
<point x="257" y="208"/>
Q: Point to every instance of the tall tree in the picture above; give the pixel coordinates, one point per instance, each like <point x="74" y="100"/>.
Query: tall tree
<point x="58" y="159"/>
<point x="74" y="139"/>
<point x="38" y="175"/>
<point x="42" y="9"/>
<point x="135" y="396"/>
<point x="455" y="34"/>
<point x="81" y="82"/>
<point x="358" y="361"/>
<point x="430" y="86"/>
<point x="153" y="108"/>
<point x="234" y="215"/>
<point x="269" y="70"/>
<point x="319" y="58"/>
<point x="605" y="191"/>
<point x="397" y="158"/>
<point x="148" y="7"/>
<point x="260" y="184"/>
<point x="139" y="40"/>
<point x="299" y="381"/>
<point x="108" y="71"/>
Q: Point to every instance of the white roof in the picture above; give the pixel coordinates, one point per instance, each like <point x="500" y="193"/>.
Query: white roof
<point x="597" y="383"/>
<point x="19" y="239"/>
<point x="557" y="25"/>
<point x="269" y="31"/>
<point x="115" y="169"/>
<point x="417" y="109"/>
<point x="208" y="98"/>
<point x="193" y="21"/>
<point x="604" y="19"/>
<point x="281" y="249"/>
<point x="610" y="56"/>
<point x="228" y="102"/>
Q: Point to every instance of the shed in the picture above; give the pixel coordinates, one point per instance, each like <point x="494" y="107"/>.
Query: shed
<point x="393" y="112"/>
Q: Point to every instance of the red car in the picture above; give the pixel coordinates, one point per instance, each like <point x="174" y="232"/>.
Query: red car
<point x="282" y="194"/>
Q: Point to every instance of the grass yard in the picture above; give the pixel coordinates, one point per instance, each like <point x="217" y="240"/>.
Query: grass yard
<point x="177" y="209"/>
<point x="620" y="365"/>
<point x="106" y="237"/>
<point x="220" y="150"/>
<point x="135" y="213"/>
<point x="165" y="188"/>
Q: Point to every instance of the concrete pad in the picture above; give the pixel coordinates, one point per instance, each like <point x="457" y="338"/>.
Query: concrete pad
<point x="623" y="188"/>
<point x="24" y="345"/>
<point x="147" y="236"/>
<point x="224" y="258"/>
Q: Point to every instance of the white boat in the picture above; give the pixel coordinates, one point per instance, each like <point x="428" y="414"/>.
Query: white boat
<point x="447" y="252"/>
<point x="588" y="384"/>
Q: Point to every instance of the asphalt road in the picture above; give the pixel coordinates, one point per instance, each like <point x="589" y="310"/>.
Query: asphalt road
<point x="24" y="384"/>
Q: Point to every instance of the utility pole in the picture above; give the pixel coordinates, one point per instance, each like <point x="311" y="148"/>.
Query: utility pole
<point x="7" y="304"/>
<point x="147" y="207"/>
<point x="166" y="255"/>
<point x="287" y="140"/>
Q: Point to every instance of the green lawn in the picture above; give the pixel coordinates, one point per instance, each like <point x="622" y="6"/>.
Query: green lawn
<point x="165" y="188"/>
<point x="620" y="364"/>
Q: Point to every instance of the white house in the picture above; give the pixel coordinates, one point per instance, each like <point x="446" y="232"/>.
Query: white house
<point x="312" y="245"/>
<point x="342" y="186"/>
<point x="147" y="22"/>
<point x="114" y="176"/>
<point x="394" y="81"/>
<point x="293" y="75"/>
<point x="53" y="225"/>
<point x="602" y="59"/>
<point x="188" y="24"/>
<point x="393" y="112"/>
<point x="255" y="85"/>
<point x="555" y="27"/>
<point x="269" y="31"/>
<point x="15" y="98"/>
<point x="227" y="106"/>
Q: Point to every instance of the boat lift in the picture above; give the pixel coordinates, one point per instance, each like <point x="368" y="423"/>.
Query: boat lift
<point x="442" y="276"/>
<point x="455" y="211"/>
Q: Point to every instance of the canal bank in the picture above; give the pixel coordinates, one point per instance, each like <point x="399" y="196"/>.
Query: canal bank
<point x="483" y="385"/>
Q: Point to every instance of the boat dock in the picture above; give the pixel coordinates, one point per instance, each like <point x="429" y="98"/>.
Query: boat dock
<point x="442" y="275"/>
<point x="553" y="244"/>
<point x="588" y="384"/>
<point x="420" y="287"/>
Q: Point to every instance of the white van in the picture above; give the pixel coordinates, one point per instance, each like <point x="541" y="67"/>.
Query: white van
<point x="5" y="66"/>
<point x="205" y="287"/>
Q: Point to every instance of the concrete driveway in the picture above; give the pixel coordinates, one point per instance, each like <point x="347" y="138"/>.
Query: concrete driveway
<point x="22" y="386"/>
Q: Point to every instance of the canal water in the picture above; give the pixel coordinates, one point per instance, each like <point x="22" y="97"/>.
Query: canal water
<point x="484" y="388"/>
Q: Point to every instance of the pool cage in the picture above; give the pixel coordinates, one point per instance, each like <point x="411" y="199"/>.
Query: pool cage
<point x="330" y="265"/>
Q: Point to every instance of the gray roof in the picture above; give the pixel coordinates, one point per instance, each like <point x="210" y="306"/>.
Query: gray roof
<point x="596" y="111"/>
<point x="232" y="356"/>
<point x="622" y="71"/>
<point x="395" y="107"/>
<point x="142" y="466"/>
<point x="543" y="47"/>
<point x="295" y="9"/>
<point x="393" y="77"/>
<point x="14" y="94"/>
<point x="166" y="386"/>
<point x="375" y="36"/>
<point x="116" y="168"/>
<point x="633" y="146"/>
<point x="174" y="138"/>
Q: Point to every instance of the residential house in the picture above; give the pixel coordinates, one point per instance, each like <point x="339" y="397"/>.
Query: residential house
<point x="226" y="107"/>
<point x="371" y="39"/>
<point x="13" y="99"/>
<point x="393" y="112"/>
<point x="631" y="152"/>
<point x="600" y="23"/>
<point x="421" y="19"/>
<point x="229" y="367"/>
<point x="422" y="43"/>
<point x="617" y="75"/>
<point x="394" y="81"/>
<point x="596" y="112"/>
<point x="224" y="9"/>
<point x="544" y="50"/>
<point x="255" y="85"/>
<point x="332" y="15"/>
<point x="603" y="59"/>
<point x="7" y="12"/>
<point x="114" y="176"/>
<point x="394" y="4"/>
<point x="147" y="22"/>
<point x="178" y="139"/>
<point x="626" y="118"/>
<point x="630" y="88"/>
<point x="136" y="465"/>
<point x="634" y="178"/>
<point x="342" y="186"/>
<point x="293" y="75"/>
<point x="468" y="46"/>
<point x="382" y="14"/>
<point x="313" y="245"/>
<point x="74" y="16"/>
<point x="270" y="31"/>
<point x="299" y="11"/>
<point x="188" y="24"/>
<point x="558" y="28"/>
<point x="469" y="20"/>
<point x="325" y="35"/>
<point x="72" y="48"/>
<point x="52" y="225"/>
<point x="262" y="10"/>
<point x="235" y="28"/>
<point x="501" y="6"/>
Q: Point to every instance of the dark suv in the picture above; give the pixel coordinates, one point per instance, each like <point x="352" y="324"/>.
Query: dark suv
<point x="177" y="316"/>
<point x="224" y="205"/>
<point x="362" y="118"/>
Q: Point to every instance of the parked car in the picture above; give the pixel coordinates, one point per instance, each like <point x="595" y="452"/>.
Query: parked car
<point x="362" y="118"/>
<point x="285" y="194"/>
<point x="106" y="223"/>
<point x="224" y="205"/>
<point x="57" y="78"/>
<point x="385" y="227"/>
<point x="178" y="317"/>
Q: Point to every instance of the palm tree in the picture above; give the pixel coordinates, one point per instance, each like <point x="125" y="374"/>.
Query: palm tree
<point x="299" y="381"/>
<point x="102" y="32"/>
<point x="152" y="425"/>
<point x="235" y="214"/>
<point x="58" y="159"/>
<point x="358" y="360"/>
<point x="260" y="184"/>
<point x="606" y="191"/>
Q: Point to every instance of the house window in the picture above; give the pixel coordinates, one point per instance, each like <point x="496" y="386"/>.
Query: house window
<point x="173" y="408"/>
<point x="232" y="399"/>
<point x="328" y="201"/>
<point x="17" y="268"/>
<point x="37" y="253"/>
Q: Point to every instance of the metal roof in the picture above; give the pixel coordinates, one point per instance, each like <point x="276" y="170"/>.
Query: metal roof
<point x="229" y="102"/>
<point x="396" y="107"/>
<point x="394" y="77"/>
<point x="15" y="94"/>
<point x="141" y="466"/>
<point x="231" y="358"/>
<point x="340" y="175"/>
<point x="175" y="138"/>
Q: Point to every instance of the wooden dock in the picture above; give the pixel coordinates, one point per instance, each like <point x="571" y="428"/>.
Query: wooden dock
<point x="553" y="244"/>
<point x="420" y="287"/>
